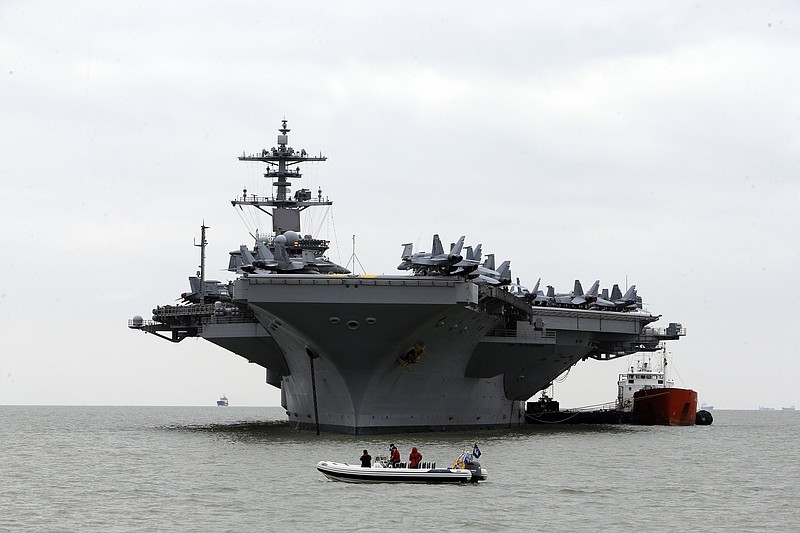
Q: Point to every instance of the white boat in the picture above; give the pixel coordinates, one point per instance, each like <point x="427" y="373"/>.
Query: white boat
<point x="464" y="470"/>
<point x="223" y="401"/>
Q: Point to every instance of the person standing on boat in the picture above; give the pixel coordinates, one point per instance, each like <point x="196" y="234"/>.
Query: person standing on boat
<point x="414" y="458"/>
<point x="366" y="460"/>
<point x="394" y="456"/>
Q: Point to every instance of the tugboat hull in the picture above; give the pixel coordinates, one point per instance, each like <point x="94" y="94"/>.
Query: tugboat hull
<point x="665" y="407"/>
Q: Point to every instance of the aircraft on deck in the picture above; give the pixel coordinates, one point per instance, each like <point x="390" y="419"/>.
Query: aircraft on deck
<point x="488" y="276"/>
<point x="567" y="298"/>
<point x="536" y="296"/>
<point x="437" y="261"/>
<point x="576" y="298"/>
<point x="589" y="297"/>
<point x="281" y="262"/>
<point x="518" y="290"/>
<point x="215" y="290"/>
<point x="486" y="273"/>
<point x="619" y="301"/>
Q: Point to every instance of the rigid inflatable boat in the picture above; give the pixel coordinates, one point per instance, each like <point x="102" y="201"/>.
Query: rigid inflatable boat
<point x="464" y="470"/>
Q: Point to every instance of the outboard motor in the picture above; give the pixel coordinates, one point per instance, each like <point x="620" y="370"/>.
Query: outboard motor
<point x="475" y="468"/>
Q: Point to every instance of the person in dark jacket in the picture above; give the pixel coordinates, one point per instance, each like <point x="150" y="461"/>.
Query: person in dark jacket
<point x="414" y="458"/>
<point x="366" y="460"/>
<point x="394" y="456"/>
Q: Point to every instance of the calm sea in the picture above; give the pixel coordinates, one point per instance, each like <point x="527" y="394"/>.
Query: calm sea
<point x="242" y="469"/>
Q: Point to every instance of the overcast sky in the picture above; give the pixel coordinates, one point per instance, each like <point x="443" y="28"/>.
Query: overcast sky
<point x="652" y="143"/>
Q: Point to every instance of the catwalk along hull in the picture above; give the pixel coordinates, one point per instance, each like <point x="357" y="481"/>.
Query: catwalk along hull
<point x="667" y="406"/>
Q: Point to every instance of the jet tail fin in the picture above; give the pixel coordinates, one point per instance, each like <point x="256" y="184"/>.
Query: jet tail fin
<point x="264" y="252"/>
<point x="578" y="290"/>
<point x="456" y="249"/>
<point x="594" y="289"/>
<point x="281" y="255"/>
<point x="476" y="254"/>
<point x="630" y="294"/>
<point x="194" y="283"/>
<point x="436" y="247"/>
<point x="504" y="271"/>
<point x="247" y="257"/>
<point x="616" y="294"/>
<point x="535" y="289"/>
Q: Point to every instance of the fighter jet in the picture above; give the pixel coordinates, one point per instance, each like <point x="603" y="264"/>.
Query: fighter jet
<point x="473" y="255"/>
<point x="589" y="297"/>
<point x="282" y="263"/>
<point x="574" y="298"/>
<point x="486" y="274"/>
<point x="537" y="296"/>
<point x="215" y="290"/>
<point x="320" y="262"/>
<point x="619" y="301"/>
<point x="436" y="261"/>
<point x="518" y="290"/>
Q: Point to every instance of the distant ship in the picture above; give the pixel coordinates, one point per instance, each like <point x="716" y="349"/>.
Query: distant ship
<point x="762" y="408"/>
<point x="223" y="401"/>
<point x="790" y="408"/>
<point x="707" y="407"/>
<point x="447" y="344"/>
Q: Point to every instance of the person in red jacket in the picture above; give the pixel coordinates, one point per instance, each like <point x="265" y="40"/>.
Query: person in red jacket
<point x="394" y="457"/>
<point x="414" y="458"/>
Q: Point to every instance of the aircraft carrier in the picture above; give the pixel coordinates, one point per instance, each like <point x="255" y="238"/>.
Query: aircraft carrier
<point x="451" y="344"/>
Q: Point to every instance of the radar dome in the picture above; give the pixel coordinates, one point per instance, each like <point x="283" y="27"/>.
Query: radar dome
<point x="280" y="239"/>
<point x="138" y="320"/>
<point x="291" y="236"/>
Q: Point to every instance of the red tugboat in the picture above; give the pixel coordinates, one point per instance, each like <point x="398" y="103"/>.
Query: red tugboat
<point x="653" y="399"/>
<point x="665" y="407"/>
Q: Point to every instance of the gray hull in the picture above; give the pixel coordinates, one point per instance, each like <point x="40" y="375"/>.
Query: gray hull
<point x="398" y="353"/>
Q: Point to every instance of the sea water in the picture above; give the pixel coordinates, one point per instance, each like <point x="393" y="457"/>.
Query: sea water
<point x="244" y="469"/>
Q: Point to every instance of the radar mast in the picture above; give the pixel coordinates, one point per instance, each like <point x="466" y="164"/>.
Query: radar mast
<point x="285" y="209"/>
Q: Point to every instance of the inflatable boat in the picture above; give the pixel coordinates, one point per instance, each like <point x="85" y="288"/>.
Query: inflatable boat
<point x="462" y="471"/>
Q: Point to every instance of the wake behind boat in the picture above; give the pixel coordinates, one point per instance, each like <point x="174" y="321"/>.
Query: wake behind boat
<point x="464" y="470"/>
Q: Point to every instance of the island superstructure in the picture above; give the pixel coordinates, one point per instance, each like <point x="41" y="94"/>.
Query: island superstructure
<point x="449" y="346"/>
